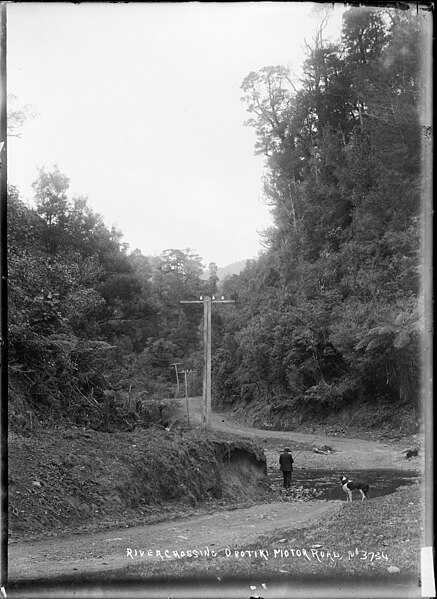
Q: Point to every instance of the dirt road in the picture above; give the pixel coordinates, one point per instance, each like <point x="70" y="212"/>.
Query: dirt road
<point x="102" y="552"/>
<point x="117" y="549"/>
<point x="348" y="454"/>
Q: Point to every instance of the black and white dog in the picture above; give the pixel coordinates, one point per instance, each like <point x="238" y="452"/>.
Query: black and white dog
<point x="349" y="486"/>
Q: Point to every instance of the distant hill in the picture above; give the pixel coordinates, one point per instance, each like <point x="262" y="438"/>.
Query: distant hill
<point x="231" y="269"/>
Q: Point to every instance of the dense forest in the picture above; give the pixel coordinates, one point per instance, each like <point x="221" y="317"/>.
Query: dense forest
<point x="328" y="317"/>
<point x="93" y="329"/>
<point x="330" y="313"/>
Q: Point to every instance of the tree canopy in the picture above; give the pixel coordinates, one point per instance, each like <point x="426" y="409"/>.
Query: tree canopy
<point x="87" y="317"/>
<point x="333" y="313"/>
<point x="329" y="314"/>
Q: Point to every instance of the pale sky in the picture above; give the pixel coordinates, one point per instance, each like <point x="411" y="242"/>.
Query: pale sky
<point x="139" y="105"/>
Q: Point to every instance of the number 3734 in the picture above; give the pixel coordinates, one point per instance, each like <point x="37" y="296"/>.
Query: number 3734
<point x="367" y="555"/>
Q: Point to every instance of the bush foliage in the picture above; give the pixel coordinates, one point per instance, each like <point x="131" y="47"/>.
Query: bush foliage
<point x="329" y="314"/>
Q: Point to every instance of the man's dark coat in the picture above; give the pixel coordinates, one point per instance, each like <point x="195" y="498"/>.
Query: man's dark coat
<point x="286" y="461"/>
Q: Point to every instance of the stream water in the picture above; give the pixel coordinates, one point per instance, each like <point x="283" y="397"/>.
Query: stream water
<point x="325" y="484"/>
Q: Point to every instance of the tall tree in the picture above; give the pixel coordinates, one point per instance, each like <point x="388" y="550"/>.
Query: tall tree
<point x="51" y="201"/>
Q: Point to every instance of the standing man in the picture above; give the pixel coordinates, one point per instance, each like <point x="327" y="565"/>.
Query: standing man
<point x="286" y="464"/>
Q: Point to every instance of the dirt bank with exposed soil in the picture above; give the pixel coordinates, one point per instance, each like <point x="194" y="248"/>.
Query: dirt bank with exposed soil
<point x="79" y="480"/>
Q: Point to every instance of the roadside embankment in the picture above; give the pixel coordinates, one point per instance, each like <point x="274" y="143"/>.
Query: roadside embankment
<point x="63" y="481"/>
<point x="367" y="421"/>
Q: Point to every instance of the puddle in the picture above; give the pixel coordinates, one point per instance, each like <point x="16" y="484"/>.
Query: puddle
<point x="325" y="484"/>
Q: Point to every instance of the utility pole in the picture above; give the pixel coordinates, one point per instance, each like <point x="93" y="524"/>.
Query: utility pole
<point x="206" y="360"/>
<point x="176" y="364"/>
<point x="185" y="372"/>
<point x="207" y="301"/>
